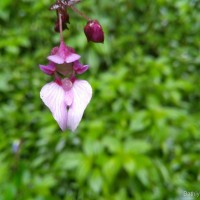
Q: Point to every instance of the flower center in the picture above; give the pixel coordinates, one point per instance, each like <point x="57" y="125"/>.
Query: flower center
<point x="65" y="69"/>
<point x="66" y="84"/>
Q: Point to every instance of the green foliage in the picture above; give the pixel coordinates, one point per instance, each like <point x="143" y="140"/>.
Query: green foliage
<point x="139" y="137"/>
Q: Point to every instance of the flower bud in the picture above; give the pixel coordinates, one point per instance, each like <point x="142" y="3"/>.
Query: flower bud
<point x="65" y="21"/>
<point x="94" y="31"/>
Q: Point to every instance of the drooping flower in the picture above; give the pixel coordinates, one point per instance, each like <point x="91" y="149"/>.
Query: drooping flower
<point x="94" y="31"/>
<point x="67" y="97"/>
<point x="67" y="100"/>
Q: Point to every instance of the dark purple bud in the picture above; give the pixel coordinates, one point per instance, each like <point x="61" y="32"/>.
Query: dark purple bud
<point x="94" y="31"/>
<point x="65" y="21"/>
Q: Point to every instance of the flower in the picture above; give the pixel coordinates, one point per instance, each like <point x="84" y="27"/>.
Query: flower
<point x="94" y="31"/>
<point x="67" y="99"/>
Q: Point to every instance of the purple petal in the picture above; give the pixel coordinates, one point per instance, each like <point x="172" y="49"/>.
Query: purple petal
<point x="53" y="97"/>
<point x="71" y="57"/>
<point x="70" y="49"/>
<point x="56" y="59"/>
<point x="67" y="53"/>
<point x="82" y="93"/>
<point x="62" y="47"/>
<point x="63" y="51"/>
<point x="48" y="69"/>
<point x="83" y="69"/>
<point x="54" y="50"/>
<point x="79" y="68"/>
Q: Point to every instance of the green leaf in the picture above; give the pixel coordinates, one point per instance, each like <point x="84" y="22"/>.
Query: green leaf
<point x="96" y="181"/>
<point x="111" y="167"/>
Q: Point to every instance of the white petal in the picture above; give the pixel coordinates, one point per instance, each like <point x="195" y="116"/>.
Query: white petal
<point x="69" y="97"/>
<point x="53" y="97"/>
<point x="82" y="93"/>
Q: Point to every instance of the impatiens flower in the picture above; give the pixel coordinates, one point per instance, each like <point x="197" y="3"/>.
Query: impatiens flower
<point x="94" y="31"/>
<point x="67" y="100"/>
<point x="67" y="97"/>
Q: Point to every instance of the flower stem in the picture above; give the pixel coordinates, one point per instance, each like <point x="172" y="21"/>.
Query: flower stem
<point x="80" y="13"/>
<point x="60" y="26"/>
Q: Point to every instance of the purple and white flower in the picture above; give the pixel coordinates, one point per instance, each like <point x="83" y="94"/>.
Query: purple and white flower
<point x="67" y="98"/>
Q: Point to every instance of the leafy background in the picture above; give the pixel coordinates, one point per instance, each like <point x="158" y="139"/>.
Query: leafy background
<point x="139" y="138"/>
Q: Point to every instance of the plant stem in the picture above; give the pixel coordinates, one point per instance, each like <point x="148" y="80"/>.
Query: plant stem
<point x="60" y="26"/>
<point x="80" y="13"/>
